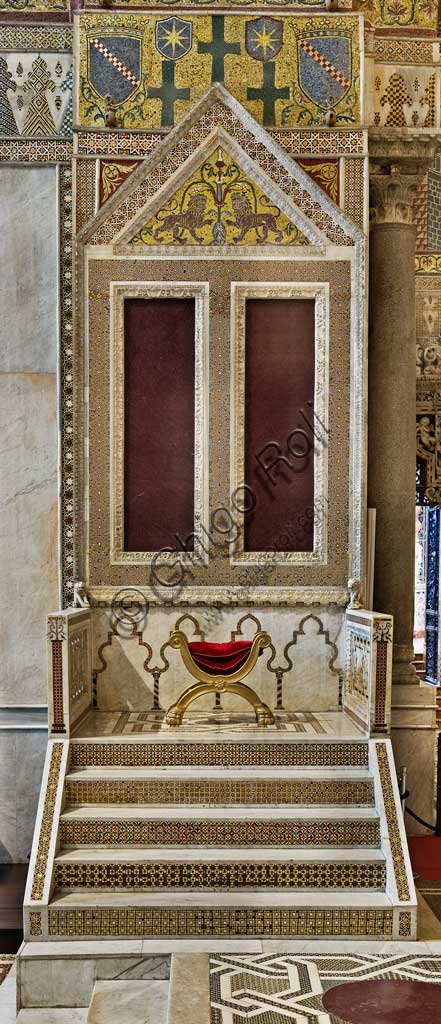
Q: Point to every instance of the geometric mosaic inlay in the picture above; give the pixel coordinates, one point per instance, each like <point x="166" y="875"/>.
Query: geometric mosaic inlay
<point x="273" y="988"/>
<point x="160" y="875"/>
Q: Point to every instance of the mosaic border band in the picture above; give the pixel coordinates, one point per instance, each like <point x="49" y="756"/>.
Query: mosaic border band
<point x="220" y="754"/>
<point x="105" y="791"/>
<point x="220" y="923"/>
<point x="392" y="822"/>
<point x="228" y="832"/>
<point x="302" y="143"/>
<point x="48" y="37"/>
<point x="67" y="377"/>
<point x="39" y="151"/>
<point x="47" y="822"/>
<point x="232" y="875"/>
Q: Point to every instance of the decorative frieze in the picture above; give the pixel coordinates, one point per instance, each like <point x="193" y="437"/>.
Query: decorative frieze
<point x="232" y="875"/>
<point x="219" y="754"/>
<point x="45" y="834"/>
<point x="256" y="792"/>
<point x="219" y="923"/>
<point x="394" y="834"/>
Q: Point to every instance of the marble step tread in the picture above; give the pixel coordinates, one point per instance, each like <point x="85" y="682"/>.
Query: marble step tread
<point x="221" y="787"/>
<point x="238" y="826"/>
<point x="183" y="898"/>
<point x="215" y="914"/>
<point x="144" y="854"/>
<point x="334" y="773"/>
<point x="122" y="812"/>
<point x="219" y="737"/>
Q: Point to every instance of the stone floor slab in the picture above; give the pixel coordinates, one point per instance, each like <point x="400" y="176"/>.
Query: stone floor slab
<point x="129" y="1002"/>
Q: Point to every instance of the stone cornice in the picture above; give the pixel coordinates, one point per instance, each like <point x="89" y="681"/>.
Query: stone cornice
<point x="411" y="151"/>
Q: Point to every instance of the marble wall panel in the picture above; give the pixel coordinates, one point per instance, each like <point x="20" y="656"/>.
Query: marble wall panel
<point x="126" y="684"/>
<point x="28" y="269"/>
<point x="22" y="754"/>
<point x="28" y="532"/>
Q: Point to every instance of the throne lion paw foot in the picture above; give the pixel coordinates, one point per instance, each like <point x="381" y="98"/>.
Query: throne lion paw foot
<point x="264" y="715"/>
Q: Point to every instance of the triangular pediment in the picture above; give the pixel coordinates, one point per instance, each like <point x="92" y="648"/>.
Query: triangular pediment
<point x="298" y="212"/>
<point x="219" y="197"/>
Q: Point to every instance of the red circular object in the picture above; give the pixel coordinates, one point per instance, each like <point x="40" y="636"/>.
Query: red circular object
<point x="381" y="1001"/>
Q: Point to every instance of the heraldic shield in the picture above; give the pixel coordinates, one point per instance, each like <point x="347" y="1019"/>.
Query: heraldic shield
<point x="325" y="67"/>
<point x="173" y="38"/>
<point x="264" y="38"/>
<point x="115" y="66"/>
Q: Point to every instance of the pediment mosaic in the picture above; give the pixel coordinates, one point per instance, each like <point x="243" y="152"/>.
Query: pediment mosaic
<point x="218" y="119"/>
<point x="219" y="204"/>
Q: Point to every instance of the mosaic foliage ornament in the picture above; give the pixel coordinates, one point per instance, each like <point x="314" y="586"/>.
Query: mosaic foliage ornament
<point x="284" y="70"/>
<point x="219" y="205"/>
<point x="400" y="13"/>
<point x="37" y="6"/>
<point x="112" y="175"/>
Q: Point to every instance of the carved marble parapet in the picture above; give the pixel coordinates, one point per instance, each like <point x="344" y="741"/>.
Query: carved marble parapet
<point x="368" y="669"/>
<point x="69" y="668"/>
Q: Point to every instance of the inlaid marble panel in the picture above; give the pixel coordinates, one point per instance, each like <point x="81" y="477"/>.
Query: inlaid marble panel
<point x="28" y="269"/>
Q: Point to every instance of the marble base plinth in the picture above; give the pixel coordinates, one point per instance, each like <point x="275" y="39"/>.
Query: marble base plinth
<point x="64" y="974"/>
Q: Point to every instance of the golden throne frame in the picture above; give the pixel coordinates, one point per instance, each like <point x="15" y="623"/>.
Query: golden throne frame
<point x="210" y="683"/>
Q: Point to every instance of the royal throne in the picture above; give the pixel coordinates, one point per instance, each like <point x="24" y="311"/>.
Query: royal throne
<point x="219" y="668"/>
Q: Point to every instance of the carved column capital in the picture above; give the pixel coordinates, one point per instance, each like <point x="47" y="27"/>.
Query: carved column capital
<point x="398" y="160"/>
<point x="391" y="197"/>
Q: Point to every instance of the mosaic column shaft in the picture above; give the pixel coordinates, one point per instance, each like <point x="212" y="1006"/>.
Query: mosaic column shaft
<point x="392" y="400"/>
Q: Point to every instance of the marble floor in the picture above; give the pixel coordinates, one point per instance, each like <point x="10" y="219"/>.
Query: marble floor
<point x="303" y="723"/>
<point x="357" y="987"/>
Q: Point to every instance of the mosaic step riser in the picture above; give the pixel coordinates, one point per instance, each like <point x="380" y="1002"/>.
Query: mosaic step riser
<point x="226" y="754"/>
<point x="211" y="793"/>
<point x="220" y="833"/>
<point x="220" y="923"/>
<point x="236" y="875"/>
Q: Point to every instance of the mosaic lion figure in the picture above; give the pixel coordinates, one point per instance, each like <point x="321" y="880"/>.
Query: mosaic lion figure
<point x="246" y="219"/>
<point x="187" y="220"/>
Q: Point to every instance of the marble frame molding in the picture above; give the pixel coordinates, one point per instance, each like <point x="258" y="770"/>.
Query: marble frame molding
<point x="119" y="292"/>
<point x="104" y="237"/>
<point x="240" y="292"/>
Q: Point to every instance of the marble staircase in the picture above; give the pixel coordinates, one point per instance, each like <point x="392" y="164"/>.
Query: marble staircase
<point x="235" y="837"/>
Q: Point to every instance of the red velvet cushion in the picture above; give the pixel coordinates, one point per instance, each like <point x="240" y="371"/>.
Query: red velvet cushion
<point x="220" y="659"/>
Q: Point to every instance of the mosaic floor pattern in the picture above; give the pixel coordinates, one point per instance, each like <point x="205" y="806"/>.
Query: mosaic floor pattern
<point x="278" y="988"/>
<point x="102" y="723"/>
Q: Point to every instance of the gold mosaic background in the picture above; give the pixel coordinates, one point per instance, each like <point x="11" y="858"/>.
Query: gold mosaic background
<point x="193" y="72"/>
